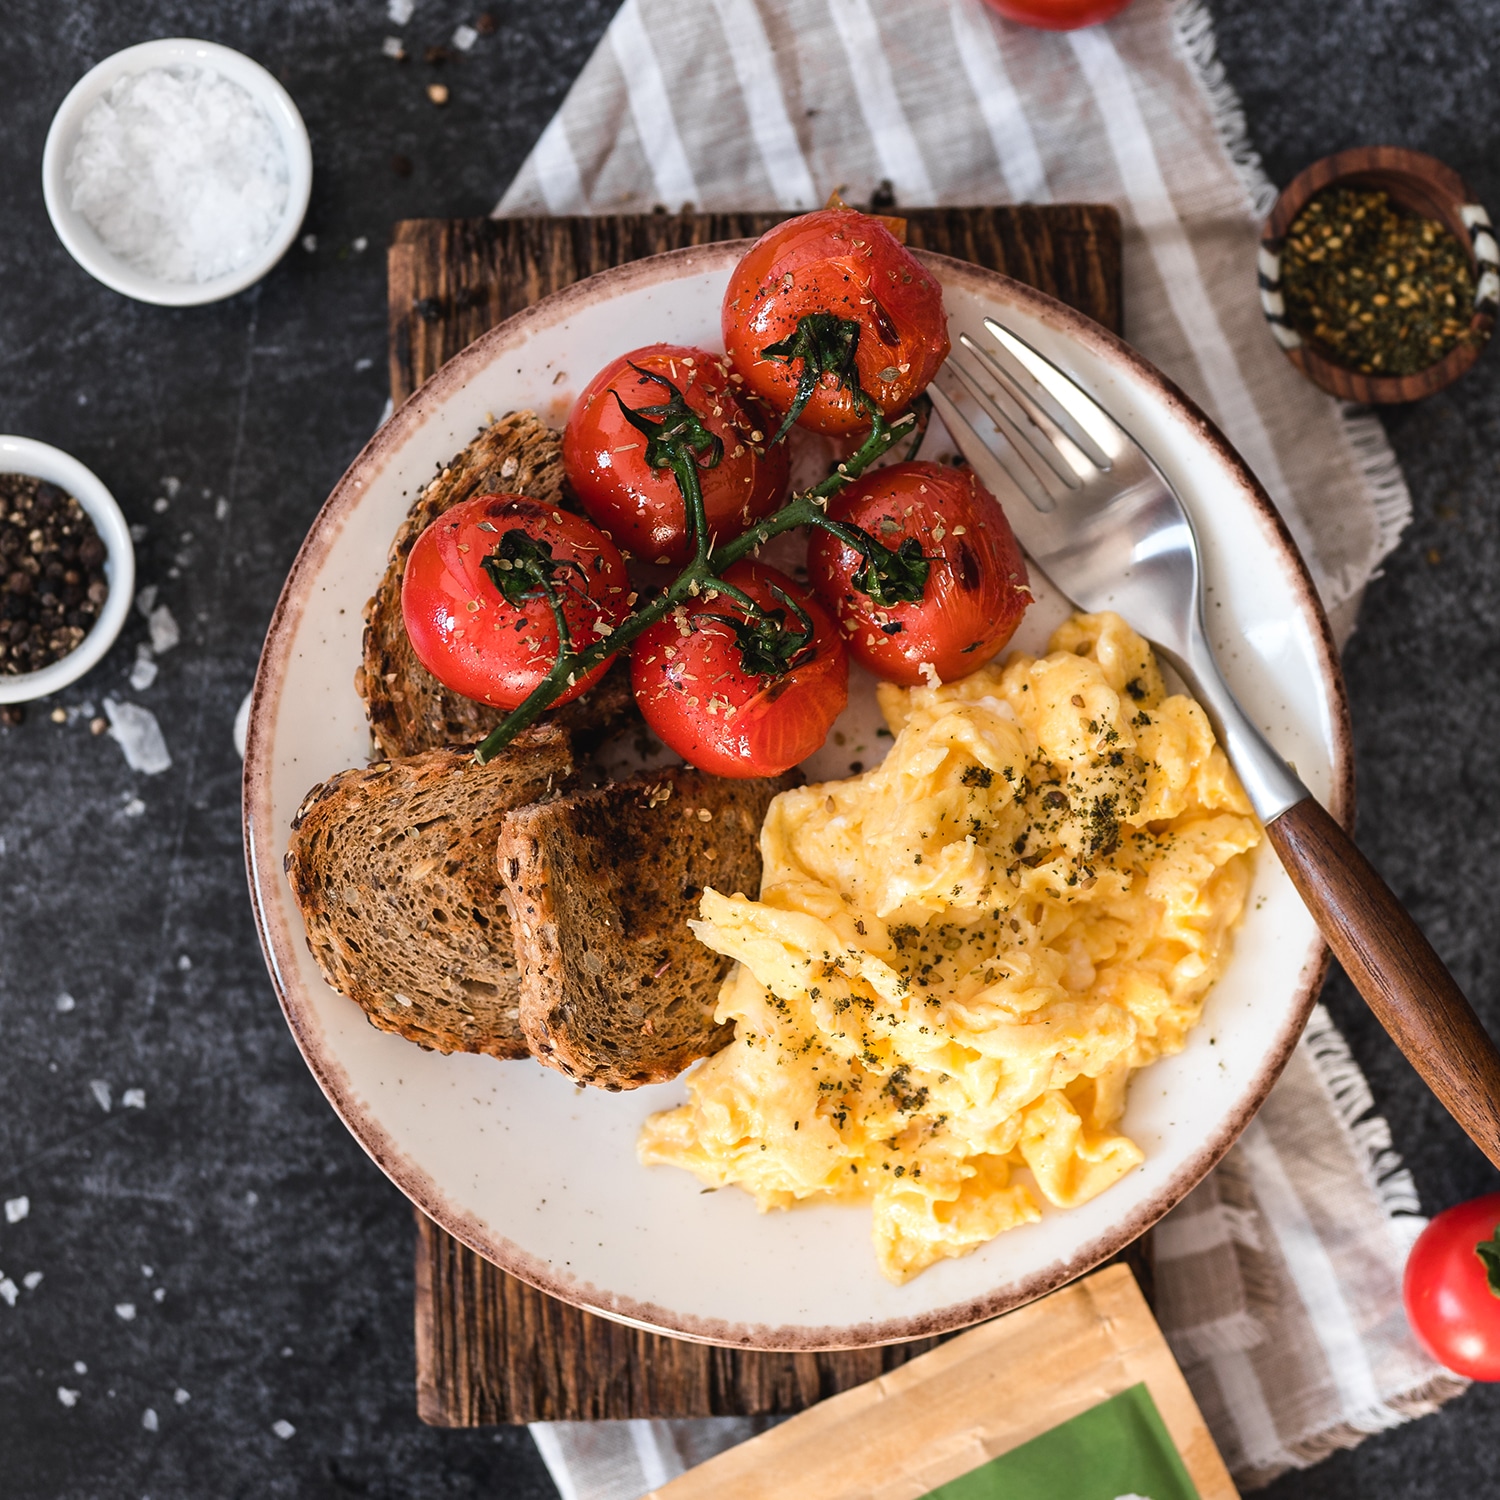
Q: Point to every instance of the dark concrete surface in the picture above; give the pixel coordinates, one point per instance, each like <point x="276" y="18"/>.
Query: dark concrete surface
<point x="280" y="1259"/>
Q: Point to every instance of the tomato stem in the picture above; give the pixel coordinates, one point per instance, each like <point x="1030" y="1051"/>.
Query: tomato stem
<point x="702" y="574"/>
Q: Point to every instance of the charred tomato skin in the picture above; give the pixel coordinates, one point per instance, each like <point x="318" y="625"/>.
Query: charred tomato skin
<point x="976" y="591"/>
<point x="759" y="725"/>
<point x="1448" y="1300"/>
<point x="838" y="261"/>
<point x="604" y="457"/>
<point x="464" y="631"/>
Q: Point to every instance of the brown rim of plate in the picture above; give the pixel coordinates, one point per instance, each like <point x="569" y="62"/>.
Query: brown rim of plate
<point x="1417" y="182"/>
<point x="279" y="943"/>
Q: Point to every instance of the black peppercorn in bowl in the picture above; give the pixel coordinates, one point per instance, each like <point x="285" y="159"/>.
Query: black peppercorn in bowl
<point x="1401" y="306"/>
<point x="56" y="517"/>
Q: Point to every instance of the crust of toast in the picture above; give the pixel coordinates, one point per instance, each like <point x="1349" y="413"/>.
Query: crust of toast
<point x="408" y="708"/>
<point x="615" y="989"/>
<point x="393" y="867"/>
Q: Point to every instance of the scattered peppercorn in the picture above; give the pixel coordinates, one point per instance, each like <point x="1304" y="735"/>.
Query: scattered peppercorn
<point x="1383" y="290"/>
<point x="52" y="583"/>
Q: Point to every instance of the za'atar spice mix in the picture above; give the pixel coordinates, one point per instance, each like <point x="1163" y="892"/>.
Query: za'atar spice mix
<point x="1383" y="290"/>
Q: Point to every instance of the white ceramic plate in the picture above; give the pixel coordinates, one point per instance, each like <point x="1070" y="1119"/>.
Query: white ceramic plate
<point x="541" y="1177"/>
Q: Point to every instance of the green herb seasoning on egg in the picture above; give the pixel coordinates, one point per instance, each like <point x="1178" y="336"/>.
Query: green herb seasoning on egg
<point x="1383" y="290"/>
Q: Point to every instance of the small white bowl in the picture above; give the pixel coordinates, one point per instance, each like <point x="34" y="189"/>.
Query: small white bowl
<point x="20" y="455"/>
<point x="78" y="236"/>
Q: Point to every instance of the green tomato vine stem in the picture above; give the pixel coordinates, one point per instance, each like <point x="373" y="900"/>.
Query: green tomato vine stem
<point x="889" y="575"/>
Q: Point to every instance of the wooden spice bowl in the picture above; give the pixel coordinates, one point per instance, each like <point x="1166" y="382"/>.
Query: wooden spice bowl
<point x="1425" y="186"/>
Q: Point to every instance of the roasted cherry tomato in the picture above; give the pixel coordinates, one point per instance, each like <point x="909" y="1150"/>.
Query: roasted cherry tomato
<point x="848" y="265"/>
<point x="461" y="625"/>
<point x="976" y="590"/>
<point x="640" y="506"/>
<point x="1452" y="1288"/>
<point x="1058" y="15"/>
<point x="709" y="682"/>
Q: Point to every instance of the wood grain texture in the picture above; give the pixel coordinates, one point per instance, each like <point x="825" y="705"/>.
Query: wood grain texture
<point x="1395" y="968"/>
<point x="1417" y="182"/>
<point x="451" y="280"/>
<point x="489" y="1348"/>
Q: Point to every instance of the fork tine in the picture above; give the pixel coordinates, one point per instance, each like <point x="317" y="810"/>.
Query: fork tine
<point x="1035" y="399"/>
<point x="1006" y="459"/>
<point x="1067" y="420"/>
<point x="1027" y="445"/>
<point x="1011" y="415"/>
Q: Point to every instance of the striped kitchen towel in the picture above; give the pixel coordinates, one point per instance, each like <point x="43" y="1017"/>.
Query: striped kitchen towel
<point x="1279" y="1279"/>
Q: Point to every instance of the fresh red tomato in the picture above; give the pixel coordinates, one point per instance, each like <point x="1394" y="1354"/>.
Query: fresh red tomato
<point x="641" y="507"/>
<point x="1058" y="15"/>
<point x="461" y="626"/>
<point x="1452" y="1288"/>
<point x="841" y="262"/>
<point x="729" y="710"/>
<point x="976" y="590"/>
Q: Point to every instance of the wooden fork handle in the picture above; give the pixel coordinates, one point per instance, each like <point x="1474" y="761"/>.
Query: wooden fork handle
<point x="1394" y="967"/>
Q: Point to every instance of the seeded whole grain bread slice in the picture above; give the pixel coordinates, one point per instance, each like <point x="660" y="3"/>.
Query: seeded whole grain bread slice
<point x="408" y="708"/>
<point x="615" y="989"/>
<point x="393" y="866"/>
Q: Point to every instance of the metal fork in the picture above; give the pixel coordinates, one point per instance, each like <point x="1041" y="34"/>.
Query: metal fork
<point x="1101" y="521"/>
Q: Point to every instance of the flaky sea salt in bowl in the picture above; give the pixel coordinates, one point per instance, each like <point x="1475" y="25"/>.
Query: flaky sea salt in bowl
<point x="177" y="172"/>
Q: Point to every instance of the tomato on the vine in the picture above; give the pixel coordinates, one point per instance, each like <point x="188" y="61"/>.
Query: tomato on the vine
<point x="642" y="507"/>
<point x="1452" y="1288"/>
<point x="741" y="696"/>
<point x="454" y="595"/>
<point x="849" y="268"/>
<point x="976" y="590"/>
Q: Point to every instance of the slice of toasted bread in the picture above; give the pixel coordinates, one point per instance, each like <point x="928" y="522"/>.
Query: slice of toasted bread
<point x="408" y="708"/>
<point x="393" y="866"/>
<point x="615" y="989"/>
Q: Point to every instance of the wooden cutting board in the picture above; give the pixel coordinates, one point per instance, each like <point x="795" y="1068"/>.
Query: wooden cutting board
<point x="491" y="1349"/>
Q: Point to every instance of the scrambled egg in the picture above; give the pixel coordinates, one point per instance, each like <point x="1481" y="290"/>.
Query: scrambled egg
<point x="958" y="958"/>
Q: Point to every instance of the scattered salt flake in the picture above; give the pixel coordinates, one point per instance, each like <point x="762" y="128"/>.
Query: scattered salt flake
<point x="283" y="1429"/>
<point x="159" y="1295"/>
<point x="125" y="1311"/>
<point x="133" y="808"/>
<point x="242" y="723"/>
<point x="8" y="1291"/>
<point x="139" y="736"/>
<point x="133" y="1098"/>
<point x="65" y="1002"/>
<point x="361" y="244"/>
<point x="145" y="600"/>
<point x="67" y="1397"/>
<point x="16" y="1209"/>
<point x="165" y="632"/>
<point x="31" y="1280"/>
<point x="171" y="484"/>
<point x="160" y="504"/>
<point x="143" y="673"/>
<point x="149" y="1419"/>
<point x="148" y="1272"/>
<point x="309" y="243"/>
<point x="464" y="37"/>
<point x="391" y="47"/>
<point x="361" y="365"/>
<point x="221" y="509"/>
<point x="184" y="962"/>
<point x="398" y="12"/>
<point x="138" y="532"/>
<point x="181" y="1397"/>
<point x="100" y="1090"/>
<point x="79" y="1368"/>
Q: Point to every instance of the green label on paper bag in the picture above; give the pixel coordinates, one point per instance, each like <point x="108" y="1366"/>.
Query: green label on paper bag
<point x="1118" y="1450"/>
